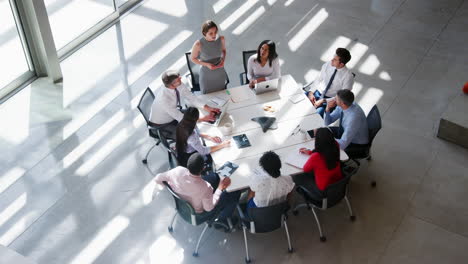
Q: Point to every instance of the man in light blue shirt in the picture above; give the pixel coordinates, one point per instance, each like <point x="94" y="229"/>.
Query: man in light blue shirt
<point x="353" y="133"/>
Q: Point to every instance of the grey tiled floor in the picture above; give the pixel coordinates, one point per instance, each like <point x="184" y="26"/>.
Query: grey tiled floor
<point x="74" y="189"/>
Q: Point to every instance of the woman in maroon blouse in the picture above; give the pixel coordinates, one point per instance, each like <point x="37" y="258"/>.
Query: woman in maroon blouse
<point x="324" y="161"/>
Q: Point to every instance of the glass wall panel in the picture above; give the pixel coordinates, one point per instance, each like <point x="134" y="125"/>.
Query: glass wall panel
<point x="13" y="61"/>
<point x="71" y="18"/>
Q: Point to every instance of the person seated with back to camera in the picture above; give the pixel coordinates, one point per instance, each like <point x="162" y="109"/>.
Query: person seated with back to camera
<point x="166" y="110"/>
<point x="353" y="132"/>
<point x="334" y="76"/>
<point x="267" y="185"/>
<point x="264" y="65"/>
<point x="189" y="138"/>
<point x="323" y="166"/>
<point x="190" y="186"/>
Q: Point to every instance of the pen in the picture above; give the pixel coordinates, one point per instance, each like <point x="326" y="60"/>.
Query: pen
<point x="294" y="130"/>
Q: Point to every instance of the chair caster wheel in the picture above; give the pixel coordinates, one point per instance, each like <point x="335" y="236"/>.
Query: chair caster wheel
<point x="290" y="250"/>
<point x="373" y="184"/>
<point x="170" y="229"/>
<point x="247" y="260"/>
<point x="352" y="218"/>
<point x="323" y="239"/>
<point x="195" y="254"/>
<point x="295" y="212"/>
<point x="145" y="161"/>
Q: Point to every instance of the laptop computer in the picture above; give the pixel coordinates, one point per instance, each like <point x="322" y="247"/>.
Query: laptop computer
<point x="266" y="86"/>
<point x="219" y="116"/>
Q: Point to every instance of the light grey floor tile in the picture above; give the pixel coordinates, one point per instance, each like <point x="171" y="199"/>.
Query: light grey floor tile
<point x="439" y="199"/>
<point x="418" y="241"/>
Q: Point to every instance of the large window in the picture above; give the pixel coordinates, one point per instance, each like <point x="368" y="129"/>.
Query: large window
<point x="71" y="18"/>
<point x="13" y="56"/>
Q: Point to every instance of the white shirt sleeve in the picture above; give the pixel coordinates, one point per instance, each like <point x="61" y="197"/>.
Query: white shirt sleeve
<point x="276" y="70"/>
<point x="171" y="108"/>
<point x="195" y="142"/>
<point x="348" y="81"/>
<point x="186" y="95"/>
<point x="250" y="65"/>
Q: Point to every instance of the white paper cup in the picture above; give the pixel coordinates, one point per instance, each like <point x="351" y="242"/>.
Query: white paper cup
<point x="226" y="129"/>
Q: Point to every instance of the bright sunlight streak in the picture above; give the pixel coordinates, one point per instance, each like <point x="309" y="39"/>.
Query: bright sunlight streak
<point x="340" y="42"/>
<point x="370" y="65"/>
<point x="102" y="240"/>
<point x="307" y="30"/>
<point x="249" y="21"/>
<point x="237" y="14"/>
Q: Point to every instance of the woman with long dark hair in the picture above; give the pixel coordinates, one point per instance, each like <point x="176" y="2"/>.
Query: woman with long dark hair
<point x="188" y="138"/>
<point x="264" y="65"/>
<point x="324" y="160"/>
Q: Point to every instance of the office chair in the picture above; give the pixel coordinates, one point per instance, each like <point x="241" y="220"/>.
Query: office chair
<point x="332" y="196"/>
<point x="169" y="147"/>
<point x="144" y="106"/>
<point x="264" y="220"/>
<point x="194" y="70"/>
<point x="374" y="123"/>
<point x="186" y="211"/>
<point x="245" y="58"/>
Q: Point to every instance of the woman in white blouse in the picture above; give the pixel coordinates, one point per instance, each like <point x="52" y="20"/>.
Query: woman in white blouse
<point x="267" y="185"/>
<point x="264" y="65"/>
<point x="189" y="138"/>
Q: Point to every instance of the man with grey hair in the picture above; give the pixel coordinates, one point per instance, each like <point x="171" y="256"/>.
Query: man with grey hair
<point x="166" y="110"/>
<point x="353" y="133"/>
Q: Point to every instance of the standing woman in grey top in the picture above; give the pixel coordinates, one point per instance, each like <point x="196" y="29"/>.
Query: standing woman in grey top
<point x="210" y="52"/>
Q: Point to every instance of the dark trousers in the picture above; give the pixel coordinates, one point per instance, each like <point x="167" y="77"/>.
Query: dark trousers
<point x="318" y="96"/>
<point x="354" y="151"/>
<point x="228" y="201"/>
<point x="167" y="130"/>
<point x="307" y="180"/>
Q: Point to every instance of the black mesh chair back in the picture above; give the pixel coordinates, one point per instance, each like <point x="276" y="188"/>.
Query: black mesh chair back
<point x="374" y="123"/>
<point x="171" y="153"/>
<point x="245" y="58"/>
<point x="267" y="219"/>
<point x="146" y="101"/>
<point x="335" y="192"/>
<point x="194" y="72"/>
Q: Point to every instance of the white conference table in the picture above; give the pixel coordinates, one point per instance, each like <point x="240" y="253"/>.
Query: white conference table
<point x="288" y="117"/>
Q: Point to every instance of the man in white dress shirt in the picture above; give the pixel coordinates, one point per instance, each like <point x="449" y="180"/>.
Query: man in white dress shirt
<point x="166" y="110"/>
<point x="333" y="77"/>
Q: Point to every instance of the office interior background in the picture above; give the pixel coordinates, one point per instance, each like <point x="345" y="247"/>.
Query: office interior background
<point x="72" y="185"/>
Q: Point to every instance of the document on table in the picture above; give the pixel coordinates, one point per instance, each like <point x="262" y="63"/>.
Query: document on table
<point x="218" y="101"/>
<point x="297" y="159"/>
<point x="240" y="94"/>
<point x="296" y="98"/>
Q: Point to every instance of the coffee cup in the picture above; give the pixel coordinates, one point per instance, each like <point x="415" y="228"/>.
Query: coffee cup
<point x="226" y="129"/>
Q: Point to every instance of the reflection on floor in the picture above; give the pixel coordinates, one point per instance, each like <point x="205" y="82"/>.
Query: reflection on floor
<point x="73" y="189"/>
